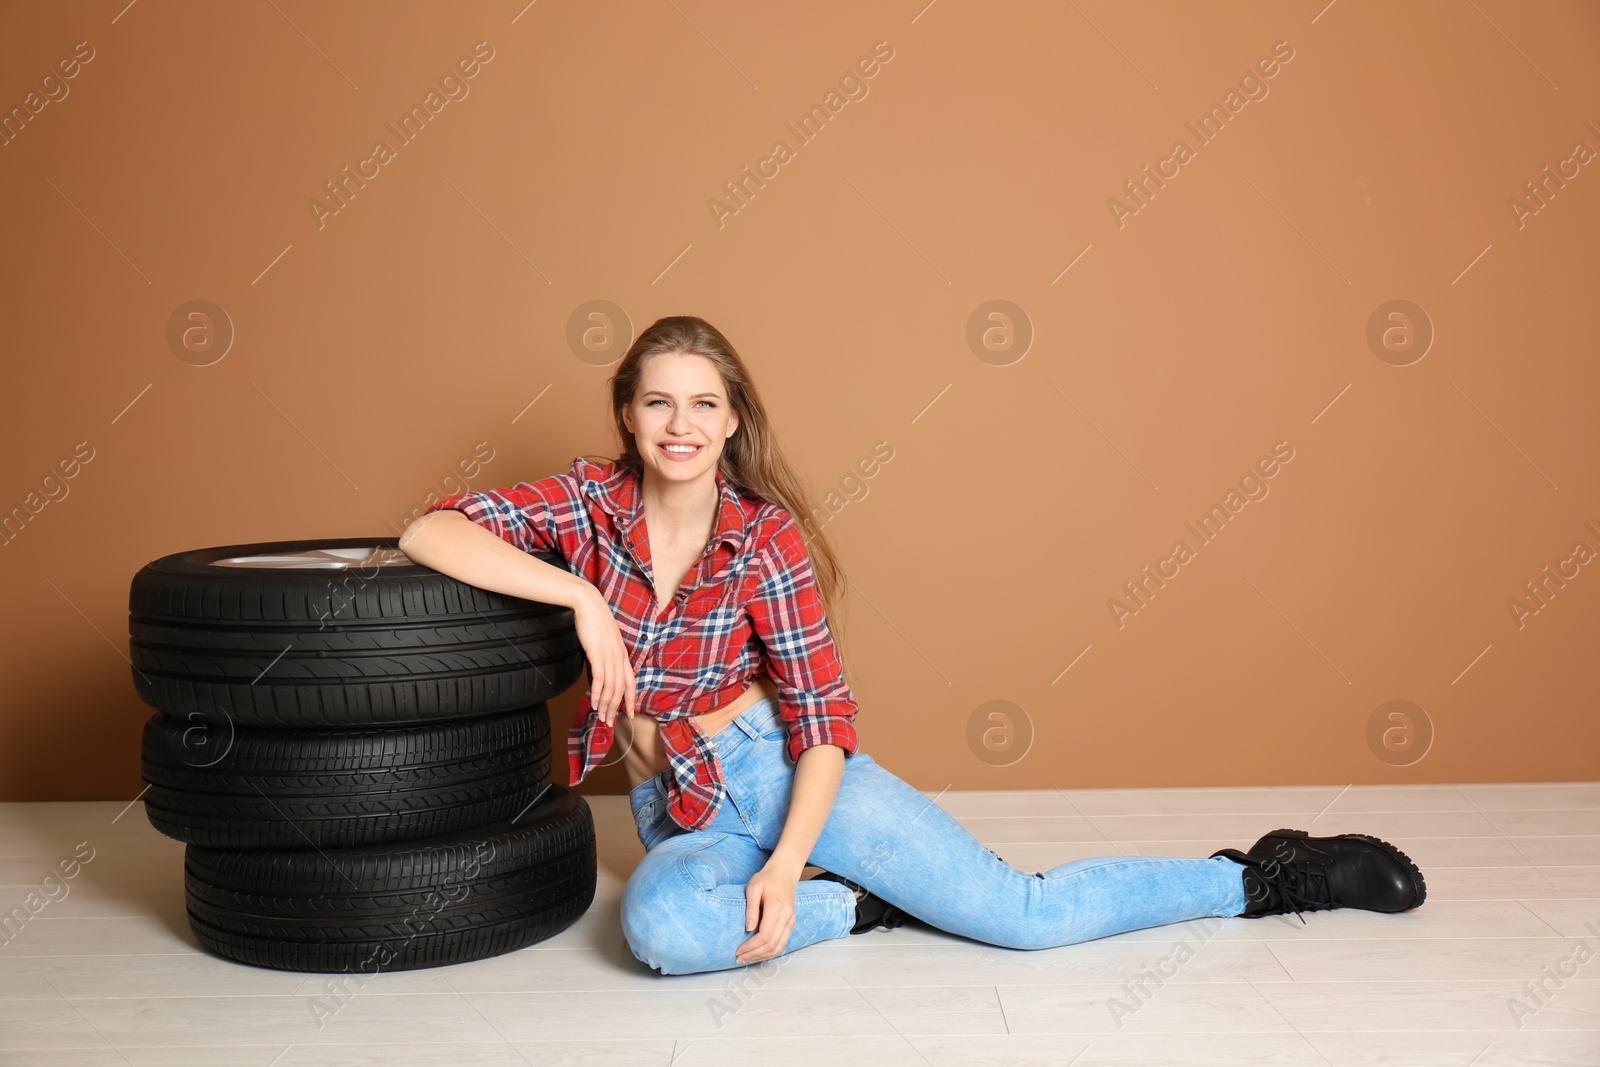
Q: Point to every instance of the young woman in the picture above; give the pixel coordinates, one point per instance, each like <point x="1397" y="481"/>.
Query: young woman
<point x="701" y="598"/>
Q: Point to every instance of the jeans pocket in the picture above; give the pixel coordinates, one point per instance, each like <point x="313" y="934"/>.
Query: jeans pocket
<point x="648" y="801"/>
<point x="645" y="817"/>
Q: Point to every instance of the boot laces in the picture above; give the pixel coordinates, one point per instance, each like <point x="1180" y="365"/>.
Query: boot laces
<point x="1302" y="888"/>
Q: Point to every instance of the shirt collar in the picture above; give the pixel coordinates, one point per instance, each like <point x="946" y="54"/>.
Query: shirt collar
<point x="616" y="489"/>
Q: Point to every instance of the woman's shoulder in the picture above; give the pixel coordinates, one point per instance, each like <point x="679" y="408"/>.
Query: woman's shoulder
<point x="771" y="528"/>
<point x="583" y="469"/>
<point x="601" y="478"/>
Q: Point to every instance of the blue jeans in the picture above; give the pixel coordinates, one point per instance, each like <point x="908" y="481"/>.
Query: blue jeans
<point x="683" y="908"/>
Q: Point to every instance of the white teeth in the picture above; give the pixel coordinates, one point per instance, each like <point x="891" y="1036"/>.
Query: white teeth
<point x="682" y="448"/>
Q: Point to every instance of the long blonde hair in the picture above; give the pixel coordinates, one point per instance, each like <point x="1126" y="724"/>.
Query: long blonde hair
<point x="751" y="459"/>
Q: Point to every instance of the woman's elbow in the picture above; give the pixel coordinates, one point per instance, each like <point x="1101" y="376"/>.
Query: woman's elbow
<point x="415" y="534"/>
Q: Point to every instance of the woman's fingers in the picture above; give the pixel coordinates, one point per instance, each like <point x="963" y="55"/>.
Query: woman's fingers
<point x="610" y="673"/>
<point x="765" y="946"/>
<point x="613" y="687"/>
<point x="752" y="907"/>
<point x="781" y="939"/>
<point x="613" y="683"/>
<point x="603" y="690"/>
<point x="618" y="685"/>
<point x="772" y="923"/>
<point x="624" y="695"/>
<point x="606" y="700"/>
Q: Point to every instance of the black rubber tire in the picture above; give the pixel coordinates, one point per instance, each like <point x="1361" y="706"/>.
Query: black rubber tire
<point x="286" y="789"/>
<point x="391" y="907"/>
<point x="312" y="648"/>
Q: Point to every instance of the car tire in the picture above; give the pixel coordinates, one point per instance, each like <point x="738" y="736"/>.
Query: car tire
<point x="424" y="903"/>
<point x="337" y="633"/>
<point x="236" y="787"/>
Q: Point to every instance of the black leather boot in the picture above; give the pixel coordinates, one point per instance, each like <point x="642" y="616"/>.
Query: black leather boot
<point x="872" y="911"/>
<point x="1289" y="870"/>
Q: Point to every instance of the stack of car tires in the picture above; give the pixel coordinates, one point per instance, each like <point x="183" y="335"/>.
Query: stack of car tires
<point x="356" y="750"/>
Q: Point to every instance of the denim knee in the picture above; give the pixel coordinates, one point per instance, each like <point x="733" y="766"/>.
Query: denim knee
<point x="651" y="924"/>
<point x="644" y="924"/>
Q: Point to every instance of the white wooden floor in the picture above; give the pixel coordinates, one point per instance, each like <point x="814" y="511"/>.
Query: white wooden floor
<point x="109" y="974"/>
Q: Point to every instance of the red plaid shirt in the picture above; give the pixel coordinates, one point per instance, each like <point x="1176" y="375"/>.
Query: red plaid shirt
<point x="750" y="603"/>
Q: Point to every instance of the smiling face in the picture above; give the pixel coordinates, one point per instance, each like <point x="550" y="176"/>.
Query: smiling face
<point x="681" y="400"/>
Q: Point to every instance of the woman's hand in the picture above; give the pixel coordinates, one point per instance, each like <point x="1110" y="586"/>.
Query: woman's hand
<point x="769" y="896"/>
<point x="610" y="673"/>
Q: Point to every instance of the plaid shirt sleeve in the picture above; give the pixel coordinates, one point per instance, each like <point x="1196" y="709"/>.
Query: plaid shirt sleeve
<point x="787" y="615"/>
<point x="541" y="516"/>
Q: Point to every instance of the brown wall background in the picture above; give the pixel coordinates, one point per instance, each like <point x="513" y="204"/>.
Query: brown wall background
<point x="1231" y="311"/>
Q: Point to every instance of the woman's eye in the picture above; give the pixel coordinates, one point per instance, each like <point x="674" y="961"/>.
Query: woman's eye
<point x="707" y="403"/>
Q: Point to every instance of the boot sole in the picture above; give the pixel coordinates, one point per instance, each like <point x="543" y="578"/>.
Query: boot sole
<point x="1404" y="860"/>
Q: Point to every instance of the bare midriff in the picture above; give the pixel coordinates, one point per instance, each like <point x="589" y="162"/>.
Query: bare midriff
<point x="640" y="737"/>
